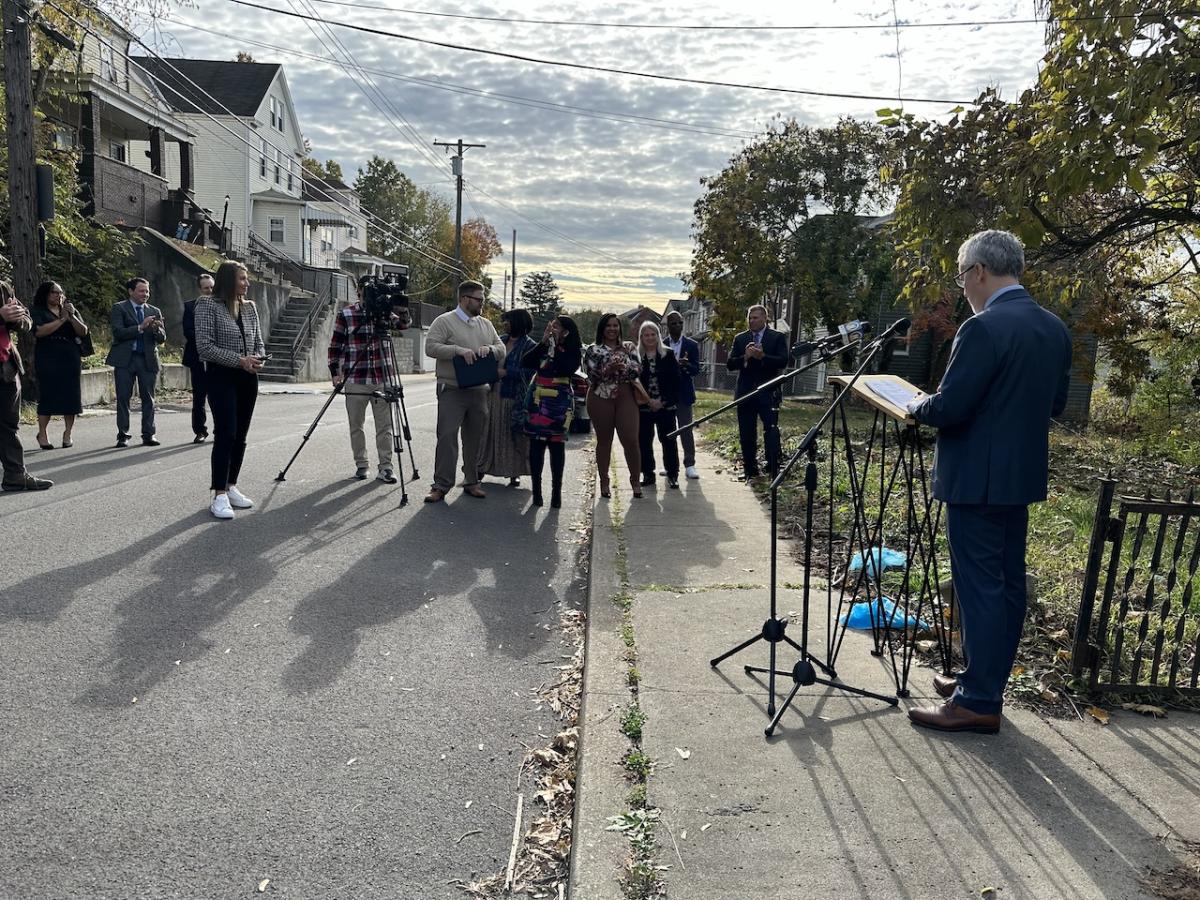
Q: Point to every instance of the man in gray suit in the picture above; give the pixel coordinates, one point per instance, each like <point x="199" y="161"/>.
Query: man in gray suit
<point x="1008" y="374"/>
<point x="137" y="330"/>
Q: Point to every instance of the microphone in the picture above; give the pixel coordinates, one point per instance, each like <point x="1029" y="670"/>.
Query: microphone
<point x="899" y="328"/>
<point x="844" y="334"/>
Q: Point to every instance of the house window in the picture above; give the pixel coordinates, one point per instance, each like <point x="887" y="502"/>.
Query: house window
<point x="276" y="230"/>
<point x="262" y="160"/>
<point x="289" y="175"/>
<point x="352" y="231"/>
<point x="64" y="138"/>
<point x="278" y="165"/>
<point x="116" y="150"/>
<point x="900" y="347"/>
<point x="276" y="115"/>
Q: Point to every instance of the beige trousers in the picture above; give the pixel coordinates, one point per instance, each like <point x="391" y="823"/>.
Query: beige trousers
<point x="358" y="396"/>
<point x="465" y="410"/>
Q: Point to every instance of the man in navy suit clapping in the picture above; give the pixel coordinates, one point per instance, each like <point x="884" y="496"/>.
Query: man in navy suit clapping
<point x="1008" y="375"/>
<point x="759" y="354"/>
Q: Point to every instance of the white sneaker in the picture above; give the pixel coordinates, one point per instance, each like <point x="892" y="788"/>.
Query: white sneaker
<point x="220" y="507"/>
<point x="237" y="499"/>
<point x="386" y="476"/>
<point x="662" y="471"/>
<point x="691" y="472"/>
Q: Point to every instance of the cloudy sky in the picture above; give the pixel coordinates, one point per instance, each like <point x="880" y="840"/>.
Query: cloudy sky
<point x="603" y="200"/>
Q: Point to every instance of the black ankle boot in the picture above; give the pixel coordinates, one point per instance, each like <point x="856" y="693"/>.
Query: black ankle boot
<point x="556" y="497"/>
<point x="537" y="492"/>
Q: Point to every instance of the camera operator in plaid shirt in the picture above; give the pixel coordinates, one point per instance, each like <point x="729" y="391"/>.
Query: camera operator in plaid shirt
<point x="356" y="357"/>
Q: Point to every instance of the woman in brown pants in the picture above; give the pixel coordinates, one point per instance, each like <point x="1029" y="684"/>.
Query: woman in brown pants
<point x="612" y="369"/>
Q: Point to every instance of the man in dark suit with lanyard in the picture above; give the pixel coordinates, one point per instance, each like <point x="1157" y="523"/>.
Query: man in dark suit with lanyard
<point x="687" y="352"/>
<point x="1008" y="375"/>
<point x="759" y="354"/>
<point x="137" y="330"/>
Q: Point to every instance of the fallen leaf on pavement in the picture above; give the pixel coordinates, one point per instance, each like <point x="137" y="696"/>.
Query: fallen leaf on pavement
<point x="1145" y="709"/>
<point x="1018" y="671"/>
<point x="683" y="754"/>
<point x="706" y="826"/>
<point x="1098" y="714"/>
<point x="262" y="885"/>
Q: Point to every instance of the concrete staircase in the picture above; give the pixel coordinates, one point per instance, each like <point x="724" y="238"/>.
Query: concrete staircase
<point x="284" y="330"/>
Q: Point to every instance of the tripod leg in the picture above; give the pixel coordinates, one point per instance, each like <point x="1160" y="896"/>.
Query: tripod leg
<point x="311" y="428"/>
<point x="770" y="729"/>
<point x="716" y="661"/>
<point x="891" y="701"/>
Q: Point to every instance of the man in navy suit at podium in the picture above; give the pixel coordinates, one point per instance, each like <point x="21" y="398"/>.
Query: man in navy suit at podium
<point x="1007" y="376"/>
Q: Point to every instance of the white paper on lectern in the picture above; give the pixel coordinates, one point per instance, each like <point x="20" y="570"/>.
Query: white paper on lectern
<point x="893" y="393"/>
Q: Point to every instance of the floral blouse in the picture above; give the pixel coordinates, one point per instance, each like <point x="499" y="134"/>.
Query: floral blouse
<point x="607" y="369"/>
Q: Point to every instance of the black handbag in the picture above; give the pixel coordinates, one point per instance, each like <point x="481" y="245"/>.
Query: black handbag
<point x="84" y="345"/>
<point x="523" y="407"/>
<point x="485" y="370"/>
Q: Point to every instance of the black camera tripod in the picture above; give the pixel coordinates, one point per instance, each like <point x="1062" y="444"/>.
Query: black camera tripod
<point x="393" y="393"/>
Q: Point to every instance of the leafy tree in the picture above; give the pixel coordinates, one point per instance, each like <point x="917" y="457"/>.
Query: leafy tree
<point x="541" y="296"/>
<point x="779" y="219"/>
<point x="480" y="245"/>
<point x="328" y="170"/>
<point x="244" y="56"/>
<point x="1094" y="167"/>
<point x="587" y="320"/>
<point x="415" y="219"/>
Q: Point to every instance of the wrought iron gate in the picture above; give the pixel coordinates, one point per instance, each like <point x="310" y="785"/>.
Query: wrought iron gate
<point x="1144" y="635"/>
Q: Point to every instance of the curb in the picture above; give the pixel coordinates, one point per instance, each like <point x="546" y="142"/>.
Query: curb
<point x="598" y="856"/>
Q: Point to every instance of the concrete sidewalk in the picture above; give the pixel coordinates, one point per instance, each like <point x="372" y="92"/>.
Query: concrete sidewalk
<point x="847" y="799"/>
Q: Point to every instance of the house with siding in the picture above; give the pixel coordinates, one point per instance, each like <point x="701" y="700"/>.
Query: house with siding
<point x="249" y="146"/>
<point x="335" y="228"/>
<point x="101" y="104"/>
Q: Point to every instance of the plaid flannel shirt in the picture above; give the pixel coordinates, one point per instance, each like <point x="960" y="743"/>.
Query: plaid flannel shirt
<point x="354" y="351"/>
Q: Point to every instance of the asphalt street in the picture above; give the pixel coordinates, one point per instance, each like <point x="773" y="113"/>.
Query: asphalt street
<point x="330" y="692"/>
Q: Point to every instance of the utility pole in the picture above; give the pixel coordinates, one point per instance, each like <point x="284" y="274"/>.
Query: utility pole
<point x="22" y="158"/>
<point x="457" y="168"/>
<point x="514" y="264"/>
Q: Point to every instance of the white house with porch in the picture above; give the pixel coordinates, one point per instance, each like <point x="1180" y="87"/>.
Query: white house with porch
<point x="249" y="179"/>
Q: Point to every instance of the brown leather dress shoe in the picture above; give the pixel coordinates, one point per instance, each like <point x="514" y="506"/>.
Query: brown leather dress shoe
<point x="952" y="717"/>
<point x="944" y="685"/>
<point x="436" y="495"/>
<point x="474" y="490"/>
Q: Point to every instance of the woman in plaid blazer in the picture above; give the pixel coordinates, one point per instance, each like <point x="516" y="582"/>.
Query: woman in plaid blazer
<point x="229" y="341"/>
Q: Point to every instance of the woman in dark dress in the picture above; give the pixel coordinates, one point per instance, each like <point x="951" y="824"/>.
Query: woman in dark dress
<point x="556" y="359"/>
<point x="57" y="360"/>
<point x="504" y="451"/>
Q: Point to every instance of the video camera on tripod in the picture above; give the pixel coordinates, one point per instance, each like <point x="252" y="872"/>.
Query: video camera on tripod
<point x="385" y="300"/>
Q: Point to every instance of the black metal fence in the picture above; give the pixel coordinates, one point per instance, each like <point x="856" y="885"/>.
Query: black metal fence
<point x="1143" y="634"/>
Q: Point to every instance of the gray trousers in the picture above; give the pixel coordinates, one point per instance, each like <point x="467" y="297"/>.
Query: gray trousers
<point x="358" y="397"/>
<point x="124" y="377"/>
<point x="683" y="416"/>
<point x="465" y="410"/>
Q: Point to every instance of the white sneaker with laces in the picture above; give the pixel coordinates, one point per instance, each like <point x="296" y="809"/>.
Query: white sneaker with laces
<point x="237" y="499"/>
<point x="220" y="507"/>
<point x="386" y="476"/>
<point x="691" y="472"/>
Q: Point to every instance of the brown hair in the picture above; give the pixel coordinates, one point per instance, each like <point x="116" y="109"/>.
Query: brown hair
<point x="225" y="285"/>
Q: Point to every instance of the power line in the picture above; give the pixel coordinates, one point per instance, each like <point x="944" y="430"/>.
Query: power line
<point x="381" y="225"/>
<point x="531" y="102"/>
<point x="672" y="26"/>
<point x="460" y="180"/>
<point x="608" y="70"/>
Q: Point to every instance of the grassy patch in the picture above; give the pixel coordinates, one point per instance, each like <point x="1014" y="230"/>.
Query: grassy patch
<point x="632" y="722"/>
<point x="1144" y="460"/>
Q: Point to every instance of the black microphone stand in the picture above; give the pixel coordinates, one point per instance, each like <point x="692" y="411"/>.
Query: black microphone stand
<point x="804" y="672"/>
<point x="774" y="628"/>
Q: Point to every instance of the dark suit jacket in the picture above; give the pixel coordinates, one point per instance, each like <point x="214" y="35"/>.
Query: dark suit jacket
<point x="668" y="379"/>
<point x="687" y="390"/>
<point x="123" y="320"/>
<point x="191" y="358"/>
<point x="753" y="372"/>
<point x="1008" y="374"/>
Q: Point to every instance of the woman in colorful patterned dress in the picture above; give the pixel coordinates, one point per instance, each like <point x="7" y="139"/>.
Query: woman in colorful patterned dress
<point x="612" y="369"/>
<point x="556" y="359"/>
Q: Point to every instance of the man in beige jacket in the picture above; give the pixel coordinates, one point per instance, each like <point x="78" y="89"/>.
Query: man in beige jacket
<point x="460" y="332"/>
